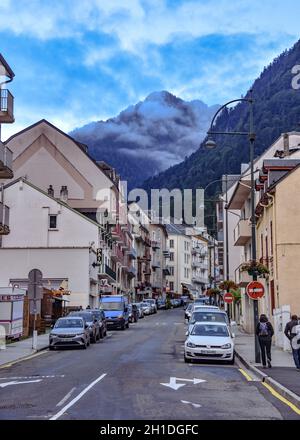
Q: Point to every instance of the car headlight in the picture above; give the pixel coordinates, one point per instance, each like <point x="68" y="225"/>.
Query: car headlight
<point x="52" y="335"/>
<point x="191" y="345"/>
<point x="226" y="346"/>
<point x="80" y="335"/>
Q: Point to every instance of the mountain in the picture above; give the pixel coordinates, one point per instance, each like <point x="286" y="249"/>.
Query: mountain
<point x="276" y="110"/>
<point x="148" y="137"/>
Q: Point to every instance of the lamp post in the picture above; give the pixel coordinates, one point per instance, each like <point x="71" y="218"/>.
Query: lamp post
<point x="211" y="144"/>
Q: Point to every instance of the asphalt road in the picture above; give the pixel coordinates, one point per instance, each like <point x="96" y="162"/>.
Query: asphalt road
<point x="121" y="378"/>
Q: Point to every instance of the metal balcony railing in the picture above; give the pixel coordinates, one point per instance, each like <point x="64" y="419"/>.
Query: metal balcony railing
<point x="6" y="162"/>
<point x="105" y="271"/>
<point x="6" y="106"/>
<point x="4" y="219"/>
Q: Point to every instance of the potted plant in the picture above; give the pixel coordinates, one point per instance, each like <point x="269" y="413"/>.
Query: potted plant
<point x="254" y="267"/>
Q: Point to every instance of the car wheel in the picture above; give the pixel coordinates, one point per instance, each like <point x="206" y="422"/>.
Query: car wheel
<point x="187" y="360"/>
<point x="123" y="327"/>
<point x="232" y="361"/>
<point x="51" y="348"/>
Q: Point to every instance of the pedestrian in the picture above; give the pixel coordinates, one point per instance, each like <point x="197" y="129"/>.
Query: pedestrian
<point x="291" y="333"/>
<point x="264" y="331"/>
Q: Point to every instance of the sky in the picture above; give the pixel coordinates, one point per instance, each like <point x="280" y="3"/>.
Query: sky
<point x="78" y="61"/>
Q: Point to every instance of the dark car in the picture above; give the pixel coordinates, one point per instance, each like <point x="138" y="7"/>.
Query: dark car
<point x="161" y="304"/>
<point x="91" y="321"/>
<point x="100" y="316"/>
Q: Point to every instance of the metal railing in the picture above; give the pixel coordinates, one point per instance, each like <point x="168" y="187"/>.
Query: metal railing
<point x="106" y="270"/>
<point x="6" y="157"/>
<point x="4" y="219"/>
<point x="6" y="106"/>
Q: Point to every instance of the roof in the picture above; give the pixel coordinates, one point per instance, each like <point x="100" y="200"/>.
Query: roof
<point x="83" y="147"/>
<point x="285" y="176"/>
<point x="6" y="67"/>
<point x="21" y="179"/>
<point x="240" y="194"/>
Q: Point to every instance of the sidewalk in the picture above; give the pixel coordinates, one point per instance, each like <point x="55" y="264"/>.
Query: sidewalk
<point x="22" y="349"/>
<point x="283" y="375"/>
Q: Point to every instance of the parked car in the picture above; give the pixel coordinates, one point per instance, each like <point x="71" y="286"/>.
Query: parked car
<point x="161" y="304"/>
<point x="100" y="316"/>
<point x="203" y="307"/>
<point x="91" y="321"/>
<point x="204" y="300"/>
<point x="116" y="311"/>
<point x="188" y="311"/>
<point x="140" y="310"/>
<point x="147" y="309"/>
<point x="207" y="315"/>
<point x="209" y="340"/>
<point x="152" y="303"/>
<point x="70" y="331"/>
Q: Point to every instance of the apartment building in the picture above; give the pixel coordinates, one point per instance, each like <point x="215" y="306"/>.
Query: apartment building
<point x="159" y="260"/>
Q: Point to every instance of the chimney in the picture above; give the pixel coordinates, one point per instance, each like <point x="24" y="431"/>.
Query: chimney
<point x="286" y="145"/>
<point x="64" y="194"/>
<point x="51" y="191"/>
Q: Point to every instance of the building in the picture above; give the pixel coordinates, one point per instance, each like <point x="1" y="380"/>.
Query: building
<point x="49" y="235"/>
<point x="6" y="157"/>
<point x="159" y="256"/>
<point x="284" y="149"/>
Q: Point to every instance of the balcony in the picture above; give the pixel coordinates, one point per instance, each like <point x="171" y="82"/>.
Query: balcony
<point x="132" y="253"/>
<point x="132" y="271"/>
<point x="155" y="265"/>
<point x="242" y="277"/>
<point x="6" y="107"/>
<point x="4" y="220"/>
<point x="199" y="280"/>
<point x="155" y="244"/>
<point x="166" y="271"/>
<point x="105" y="272"/>
<point x="196" y="264"/>
<point x="6" y="159"/>
<point x="242" y="233"/>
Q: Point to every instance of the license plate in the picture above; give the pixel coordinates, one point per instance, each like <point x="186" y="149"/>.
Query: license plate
<point x="208" y="351"/>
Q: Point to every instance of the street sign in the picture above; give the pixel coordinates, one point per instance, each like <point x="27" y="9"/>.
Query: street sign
<point x="255" y="290"/>
<point x="35" y="286"/>
<point x="228" y="297"/>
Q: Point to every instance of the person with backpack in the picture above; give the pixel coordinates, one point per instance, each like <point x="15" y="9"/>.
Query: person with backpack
<point x="265" y="332"/>
<point x="292" y="333"/>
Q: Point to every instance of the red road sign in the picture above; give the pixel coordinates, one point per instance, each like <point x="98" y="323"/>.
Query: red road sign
<point x="255" y="290"/>
<point x="228" y="297"/>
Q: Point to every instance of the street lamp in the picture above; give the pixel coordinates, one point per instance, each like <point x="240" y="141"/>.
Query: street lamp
<point x="210" y="144"/>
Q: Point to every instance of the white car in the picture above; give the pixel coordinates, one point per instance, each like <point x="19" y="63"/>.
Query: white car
<point x="210" y="341"/>
<point x="203" y="307"/>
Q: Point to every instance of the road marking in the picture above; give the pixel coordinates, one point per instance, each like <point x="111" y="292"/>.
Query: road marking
<point x="24" y="359"/>
<point x="30" y="377"/>
<point x="246" y="375"/>
<point x="6" y="384"/>
<point x="195" y="405"/>
<point x="64" y="399"/>
<point x="283" y="399"/>
<point x="175" y="386"/>
<point x="65" y="408"/>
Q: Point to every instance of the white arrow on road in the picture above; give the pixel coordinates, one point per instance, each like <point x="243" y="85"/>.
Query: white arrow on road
<point x="15" y="382"/>
<point x="175" y="386"/>
<point x="195" y="405"/>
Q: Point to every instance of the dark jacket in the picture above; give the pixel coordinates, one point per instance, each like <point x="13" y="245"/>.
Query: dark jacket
<point x="270" y="330"/>
<point x="289" y="329"/>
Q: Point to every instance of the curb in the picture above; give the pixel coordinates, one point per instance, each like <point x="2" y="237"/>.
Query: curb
<point x="15" y="361"/>
<point x="282" y="390"/>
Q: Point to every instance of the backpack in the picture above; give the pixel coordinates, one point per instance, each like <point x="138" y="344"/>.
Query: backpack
<point x="263" y="329"/>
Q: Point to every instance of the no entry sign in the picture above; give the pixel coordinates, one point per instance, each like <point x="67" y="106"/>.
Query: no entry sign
<point x="255" y="290"/>
<point x="228" y="297"/>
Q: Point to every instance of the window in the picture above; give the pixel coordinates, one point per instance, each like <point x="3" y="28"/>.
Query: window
<point x="171" y="256"/>
<point x="172" y="244"/>
<point x="171" y="269"/>
<point x="52" y="221"/>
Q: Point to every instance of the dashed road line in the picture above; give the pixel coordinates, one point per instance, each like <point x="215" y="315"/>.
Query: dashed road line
<point x="31" y="377"/>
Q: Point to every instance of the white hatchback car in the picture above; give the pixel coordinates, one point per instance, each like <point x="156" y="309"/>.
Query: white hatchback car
<point x="210" y="341"/>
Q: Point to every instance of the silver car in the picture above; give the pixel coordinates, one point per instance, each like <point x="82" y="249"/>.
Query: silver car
<point x="71" y="331"/>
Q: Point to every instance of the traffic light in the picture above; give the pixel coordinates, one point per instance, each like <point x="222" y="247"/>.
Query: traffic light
<point x="99" y="255"/>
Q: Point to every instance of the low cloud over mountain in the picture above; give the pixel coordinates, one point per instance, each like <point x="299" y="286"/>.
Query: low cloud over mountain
<point x="148" y="137"/>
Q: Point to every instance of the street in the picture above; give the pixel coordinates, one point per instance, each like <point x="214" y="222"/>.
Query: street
<point x="134" y="374"/>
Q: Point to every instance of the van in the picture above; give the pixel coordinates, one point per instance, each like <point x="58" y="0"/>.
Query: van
<point x="116" y="311"/>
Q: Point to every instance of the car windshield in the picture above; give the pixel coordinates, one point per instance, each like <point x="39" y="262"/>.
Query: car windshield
<point x="208" y="316"/>
<point x="113" y="305"/>
<point x="210" y="330"/>
<point x="88" y="317"/>
<point x="69" y="323"/>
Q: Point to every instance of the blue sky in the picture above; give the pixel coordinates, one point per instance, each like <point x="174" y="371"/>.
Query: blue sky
<point x="77" y="61"/>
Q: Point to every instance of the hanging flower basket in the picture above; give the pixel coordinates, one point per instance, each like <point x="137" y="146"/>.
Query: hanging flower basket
<point x="255" y="268"/>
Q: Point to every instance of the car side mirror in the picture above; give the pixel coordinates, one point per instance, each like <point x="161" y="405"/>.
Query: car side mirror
<point x="52" y="326"/>
<point x="86" y="326"/>
<point x="187" y="333"/>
